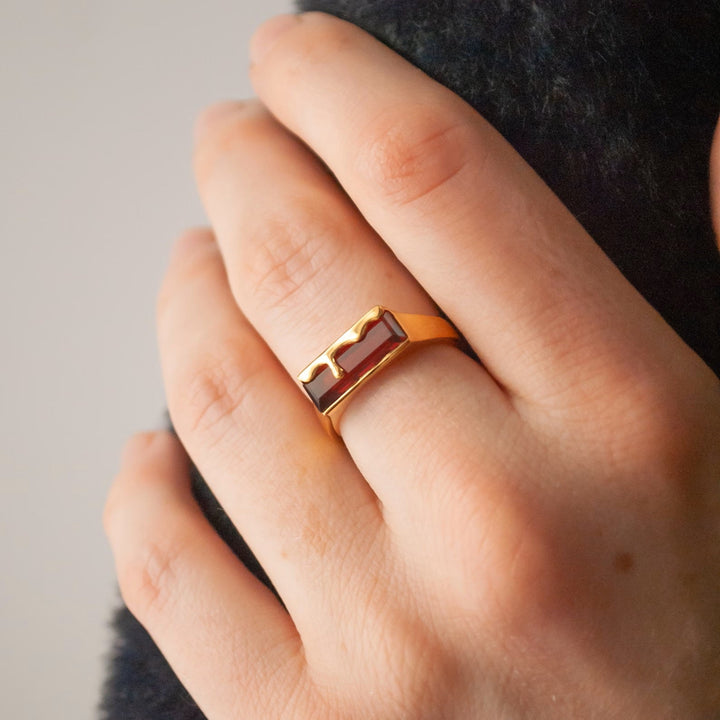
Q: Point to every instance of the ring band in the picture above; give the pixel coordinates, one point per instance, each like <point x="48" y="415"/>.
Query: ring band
<point x="371" y="344"/>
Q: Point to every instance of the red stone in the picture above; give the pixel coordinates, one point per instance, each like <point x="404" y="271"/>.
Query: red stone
<point x="381" y="337"/>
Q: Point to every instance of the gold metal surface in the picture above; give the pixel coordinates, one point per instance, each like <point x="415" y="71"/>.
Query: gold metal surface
<point x="327" y="358"/>
<point x="420" y="329"/>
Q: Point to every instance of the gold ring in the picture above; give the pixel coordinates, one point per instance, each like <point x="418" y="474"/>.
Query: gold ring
<point x="371" y="344"/>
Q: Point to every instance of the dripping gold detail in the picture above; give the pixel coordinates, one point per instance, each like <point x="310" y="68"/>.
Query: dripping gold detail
<point x="327" y="359"/>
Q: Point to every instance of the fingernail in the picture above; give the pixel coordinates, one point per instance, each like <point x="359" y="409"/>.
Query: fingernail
<point x="189" y="240"/>
<point x="267" y="34"/>
<point x="137" y="445"/>
<point x="210" y="115"/>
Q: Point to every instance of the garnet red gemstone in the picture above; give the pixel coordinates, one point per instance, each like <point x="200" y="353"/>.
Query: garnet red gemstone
<point x="381" y="337"/>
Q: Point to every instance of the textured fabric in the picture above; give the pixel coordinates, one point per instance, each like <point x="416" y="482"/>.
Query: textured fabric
<point x="614" y="104"/>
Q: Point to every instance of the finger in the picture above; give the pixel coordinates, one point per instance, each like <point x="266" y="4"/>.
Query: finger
<point x="225" y="635"/>
<point x="715" y="182"/>
<point x="539" y="301"/>
<point x="293" y="493"/>
<point x="304" y="267"/>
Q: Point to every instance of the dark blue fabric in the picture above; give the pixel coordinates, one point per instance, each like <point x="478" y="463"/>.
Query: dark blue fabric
<point x="614" y="104"/>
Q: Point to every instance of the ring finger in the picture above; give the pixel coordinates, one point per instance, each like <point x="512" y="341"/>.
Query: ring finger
<point x="294" y="494"/>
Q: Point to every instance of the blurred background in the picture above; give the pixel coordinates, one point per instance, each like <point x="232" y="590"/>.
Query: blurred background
<point x="98" y="103"/>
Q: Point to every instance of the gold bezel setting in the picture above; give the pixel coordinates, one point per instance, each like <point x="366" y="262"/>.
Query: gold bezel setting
<point x="370" y="345"/>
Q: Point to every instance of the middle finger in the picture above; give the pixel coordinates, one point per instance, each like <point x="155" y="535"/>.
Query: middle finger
<point x="304" y="266"/>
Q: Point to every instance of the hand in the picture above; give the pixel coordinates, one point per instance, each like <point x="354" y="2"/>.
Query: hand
<point x="533" y="537"/>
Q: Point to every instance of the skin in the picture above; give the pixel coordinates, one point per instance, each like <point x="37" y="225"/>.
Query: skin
<point x="533" y="537"/>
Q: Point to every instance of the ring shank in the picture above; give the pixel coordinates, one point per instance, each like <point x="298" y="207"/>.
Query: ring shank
<point x="426" y="328"/>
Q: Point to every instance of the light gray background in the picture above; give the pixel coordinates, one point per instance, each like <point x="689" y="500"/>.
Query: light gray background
<point x="98" y="99"/>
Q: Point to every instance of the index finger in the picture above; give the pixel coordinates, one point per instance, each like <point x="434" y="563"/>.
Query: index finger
<point x="542" y="305"/>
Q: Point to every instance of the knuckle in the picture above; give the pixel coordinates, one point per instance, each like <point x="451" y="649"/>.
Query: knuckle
<point x="412" y="668"/>
<point x="665" y="433"/>
<point x="293" y="692"/>
<point x="529" y="594"/>
<point x="671" y="446"/>
<point x="639" y="422"/>
<point x="659" y="431"/>
<point x="284" y="691"/>
<point x="523" y="584"/>
<point x="507" y="576"/>
<point x="410" y="154"/>
<point x="149" y="579"/>
<point x="291" y="255"/>
<point x="218" y="394"/>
